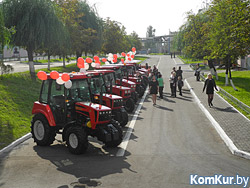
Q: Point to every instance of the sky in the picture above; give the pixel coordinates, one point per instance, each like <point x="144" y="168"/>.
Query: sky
<point x="137" y="15"/>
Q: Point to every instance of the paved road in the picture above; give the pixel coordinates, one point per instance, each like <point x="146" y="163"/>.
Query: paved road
<point x="169" y="142"/>
<point x="21" y="67"/>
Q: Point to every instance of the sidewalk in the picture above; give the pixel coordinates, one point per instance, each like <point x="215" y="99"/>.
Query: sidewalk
<point x="235" y="125"/>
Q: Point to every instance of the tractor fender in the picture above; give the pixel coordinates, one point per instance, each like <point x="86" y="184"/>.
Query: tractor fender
<point x="40" y="108"/>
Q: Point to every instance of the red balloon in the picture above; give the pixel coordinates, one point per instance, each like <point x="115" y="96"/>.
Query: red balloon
<point x="96" y="58"/>
<point x="54" y="75"/>
<point x="128" y="55"/>
<point x="104" y="60"/>
<point x="42" y="75"/>
<point x="133" y="49"/>
<point x="123" y="54"/>
<point x="80" y="65"/>
<point x="115" y="60"/>
<point x="65" y="77"/>
<point x="129" y="59"/>
<point x="88" y="60"/>
<point x="80" y="60"/>
<point x="133" y="56"/>
<point x="122" y="60"/>
<point x="115" y="56"/>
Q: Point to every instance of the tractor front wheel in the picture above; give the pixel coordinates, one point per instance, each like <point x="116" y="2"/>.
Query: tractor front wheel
<point x="129" y="105"/>
<point x="42" y="133"/>
<point x="115" y="143"/>
<point x="76" y="140"/>
<point x="124" y="121"/>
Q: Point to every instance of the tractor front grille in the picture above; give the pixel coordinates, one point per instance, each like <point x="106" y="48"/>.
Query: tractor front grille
<point x="118" y="103"/>
<point x="105" y="115"/>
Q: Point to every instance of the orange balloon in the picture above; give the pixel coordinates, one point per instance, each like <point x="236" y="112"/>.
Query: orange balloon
<point x="54" y="75"/>
<point x="104" y="60"/>
<point x="115" y="56"/>
<point x="115" y="60"/>
<point x="42" y="75"/>
<point x="65" y="77"/>
<point x="122" y="60"/>
<point x="129" y="59"/>
<point x="133" y="49"/>
<point x="88" y="60"/>
<point x="123" y="54"/>
<point x="128" y="55"/>
<point x="98" y="62"/>
<point x="133" y="56"/>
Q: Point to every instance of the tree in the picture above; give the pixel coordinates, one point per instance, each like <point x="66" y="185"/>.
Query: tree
<point x="134" y="41"/>
<point x="229" y="35"/>
<point x="114" y="37"/>
<point x="150" y="42"/>
<point x="30" y="19"/>
<point x="5" y="35"/>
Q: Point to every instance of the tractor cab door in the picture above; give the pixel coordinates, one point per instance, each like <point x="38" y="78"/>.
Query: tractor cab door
<point x="57" y="102"/>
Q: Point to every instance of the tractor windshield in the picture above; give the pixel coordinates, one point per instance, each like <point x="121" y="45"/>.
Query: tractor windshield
<point x="110" y="77"/>
<point x="79" y="92"/>
<point x="118" y="73"/>
<point x="97" y="85"/>
<point x="130" y="70"/>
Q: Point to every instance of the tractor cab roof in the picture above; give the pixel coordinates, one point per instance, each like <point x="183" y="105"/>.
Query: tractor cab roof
<point x="105" y="71"/>
<point x="73" y="76"/>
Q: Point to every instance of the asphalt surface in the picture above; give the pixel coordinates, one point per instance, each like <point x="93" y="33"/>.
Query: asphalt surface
<point x="169" y="142"/>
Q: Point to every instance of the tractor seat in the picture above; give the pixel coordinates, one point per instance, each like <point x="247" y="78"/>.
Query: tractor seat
<point x="59" y="101"/>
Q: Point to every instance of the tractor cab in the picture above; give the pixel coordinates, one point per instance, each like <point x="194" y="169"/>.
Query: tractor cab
<point x="101" y="96"/>
<point x="70" y="111"/>
<point x="109" y="79"/>
<point x="121" y="79"/>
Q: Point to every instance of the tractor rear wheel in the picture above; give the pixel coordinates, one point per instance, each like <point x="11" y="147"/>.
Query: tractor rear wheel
<point x="115" y="143"/>
<point x="42" y="133"/>
<point x="129" y="105"/>
<point x="76" y="140"/>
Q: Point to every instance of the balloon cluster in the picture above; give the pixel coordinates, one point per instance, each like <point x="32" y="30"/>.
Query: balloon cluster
<point x="63" y="79"/>
<point x="129" y="56"/>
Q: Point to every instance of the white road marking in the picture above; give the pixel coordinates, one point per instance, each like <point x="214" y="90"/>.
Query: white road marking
<point x="124" y="144"/>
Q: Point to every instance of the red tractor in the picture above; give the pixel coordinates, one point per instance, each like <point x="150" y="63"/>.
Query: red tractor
<point x="109" y="79"/>
<point x="71" y="113"/>
<point x="120" y="81"/>
<point x="129" y="74"/>
<point x="101" y="96"/>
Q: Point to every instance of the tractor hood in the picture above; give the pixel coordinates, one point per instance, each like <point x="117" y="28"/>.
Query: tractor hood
<point x="127" y="81"/>
<point x="110" y="96"/>
<point x="121" y="87"/>
<point x="93" y="106"/>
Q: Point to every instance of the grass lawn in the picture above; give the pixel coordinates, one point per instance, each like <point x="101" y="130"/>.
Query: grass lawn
<point x="241" y="80"/>
<point x="190" y="61"/>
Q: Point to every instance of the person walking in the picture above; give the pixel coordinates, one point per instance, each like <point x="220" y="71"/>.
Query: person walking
<point x="155" y="70"/>
<point x="197" y="72"/>
<point x="154" y="88"/>
<point x="179" y="72"/>
<point x="173" y="81"/>
<point x="180" y="84"/>
<point x="209" y="86"/>
<point x="161" y="85"/>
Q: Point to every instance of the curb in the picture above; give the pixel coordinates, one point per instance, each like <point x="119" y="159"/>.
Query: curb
<point x="234" y="150"/>
<point x="15" y="143"/>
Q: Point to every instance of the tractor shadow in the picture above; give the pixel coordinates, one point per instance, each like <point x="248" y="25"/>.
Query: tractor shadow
<point x="87" y="168"/>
